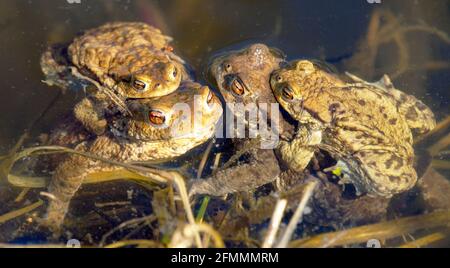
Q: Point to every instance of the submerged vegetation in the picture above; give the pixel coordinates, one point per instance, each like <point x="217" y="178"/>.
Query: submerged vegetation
<point x="179" y="225"/>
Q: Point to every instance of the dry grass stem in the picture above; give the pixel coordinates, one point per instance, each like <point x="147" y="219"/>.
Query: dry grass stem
<point x="297" y="217"/>
<point x="380" y="231"/>
<point x="275" y="222"/>
<point x="19" y="212"/>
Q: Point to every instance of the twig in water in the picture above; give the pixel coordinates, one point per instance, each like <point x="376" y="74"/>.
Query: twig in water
<point x="124" y="225"/>
<point x="426" y="240"/>
<point x="383" y="230"/>
<point x="16" y="213"/>
<point x="444" y="124"/>
<point x="439" y="145"/>
<point x="179" y="182"/>
<point x="109" y="204"/>
<point x="140" y="243"/>
<point x="441" y="164"/>
<point x="22" y="195"/>
<point x="204" y="159"/>
<point x="274" y="223"/>
<point x="297" y="217"/>
<point x="184" y="236"/>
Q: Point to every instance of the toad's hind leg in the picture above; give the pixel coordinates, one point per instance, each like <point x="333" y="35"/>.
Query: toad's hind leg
<point x="418" y="116"/>
<point x="65" y="183"/>
<point x="385" y="173"/>
<point x="69" y="176"/>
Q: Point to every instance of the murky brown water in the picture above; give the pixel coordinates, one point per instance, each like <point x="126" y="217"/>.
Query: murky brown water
<point x="329" y="30"/>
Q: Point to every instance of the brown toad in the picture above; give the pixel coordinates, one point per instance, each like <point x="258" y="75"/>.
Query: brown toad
<point x="366" y="126"/>
<point x="160" y="128"/>
<point x="242" y="77"/>
<point x="114" y="62"/>
<point x="246" y="82"/>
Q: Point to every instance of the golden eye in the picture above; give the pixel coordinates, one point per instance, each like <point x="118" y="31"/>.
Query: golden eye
<point x="287" y="94"/>
<point x="279" y="78"/>
<point x="156" y="117"/>
<point x="237" y="87"/>
<point x="139" y="85"/>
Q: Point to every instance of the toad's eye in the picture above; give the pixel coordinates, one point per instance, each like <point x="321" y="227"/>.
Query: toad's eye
<point x="156" y="117"/>
<point x="237" y="87"/>
<point x="227" y="67"/>
<point x="139" y="85"/>
<point x="288" y="94"/>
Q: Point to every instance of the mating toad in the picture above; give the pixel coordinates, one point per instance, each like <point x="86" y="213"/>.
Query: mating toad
<point x="367" y="127"/>
<point x="160" y="128"/>
<point x="242" y="77"/>
<point x="114" y="62"/>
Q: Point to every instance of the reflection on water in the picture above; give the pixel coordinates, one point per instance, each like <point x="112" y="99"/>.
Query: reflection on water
<point x="311" y="28"/>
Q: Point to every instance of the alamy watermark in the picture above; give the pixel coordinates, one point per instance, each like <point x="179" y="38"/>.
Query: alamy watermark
<point x="73" y="243"/>
<point x="373" y="243"/>
<point x="239" y="121"/>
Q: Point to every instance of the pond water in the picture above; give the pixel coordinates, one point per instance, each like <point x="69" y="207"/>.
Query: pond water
<point x="326" y="30"/>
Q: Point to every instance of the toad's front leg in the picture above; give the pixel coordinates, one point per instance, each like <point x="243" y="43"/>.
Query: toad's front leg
<point x="297" y="154"/>
<point x="91" y="115"/>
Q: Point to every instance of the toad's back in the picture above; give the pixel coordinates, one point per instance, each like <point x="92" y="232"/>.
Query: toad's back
<point x="367" y="118"/>
<point x="97" y="48"/>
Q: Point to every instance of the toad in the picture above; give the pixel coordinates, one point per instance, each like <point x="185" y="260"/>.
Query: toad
<point x="367" y="127"/>
<point x="160" y="128"/>
<point x="112" y="63"/>
<point x="242" y="78"/>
